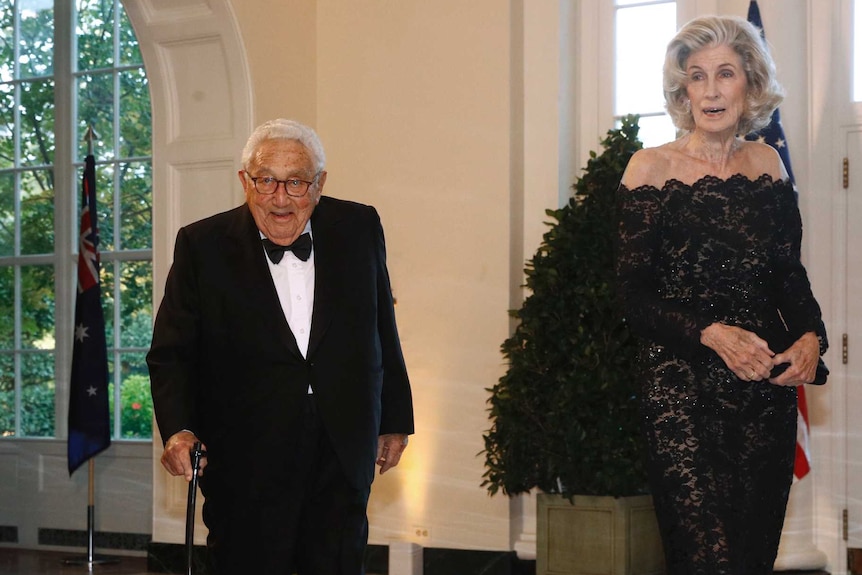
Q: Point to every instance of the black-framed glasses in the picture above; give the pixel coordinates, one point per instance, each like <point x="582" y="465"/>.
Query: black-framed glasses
<point x="295" y="187"/>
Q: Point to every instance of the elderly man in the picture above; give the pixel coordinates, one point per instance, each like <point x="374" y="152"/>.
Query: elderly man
<point x="276" y="346"/>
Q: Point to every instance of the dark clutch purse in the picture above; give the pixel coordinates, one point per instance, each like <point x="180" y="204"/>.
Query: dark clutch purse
<point x="779" y="338"/>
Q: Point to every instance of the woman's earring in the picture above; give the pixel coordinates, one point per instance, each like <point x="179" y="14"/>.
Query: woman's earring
<point x="687" y="104"/>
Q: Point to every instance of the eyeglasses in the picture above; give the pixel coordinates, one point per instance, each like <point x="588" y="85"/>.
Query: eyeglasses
<point x="267" y="185"/>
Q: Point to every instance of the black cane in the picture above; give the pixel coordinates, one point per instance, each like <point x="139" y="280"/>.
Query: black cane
<point x="196" y="454"/>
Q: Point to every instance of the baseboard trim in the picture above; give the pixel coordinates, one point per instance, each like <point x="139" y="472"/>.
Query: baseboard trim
<point x="171" y="558"/>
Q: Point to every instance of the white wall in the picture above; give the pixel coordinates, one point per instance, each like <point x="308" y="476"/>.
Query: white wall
<point x="406" y="130"/>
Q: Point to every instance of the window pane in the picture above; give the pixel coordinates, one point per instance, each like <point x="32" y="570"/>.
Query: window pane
<point x="137" y="304"/>
<point x="137" y="206"/>
<point x="37" y="307"/>
<point x="107" y="285"/>
<point x="95" y="34"/>
<point x="7" y="311"/>
<point x="7" y="395"/>
<point x="642" y="35"/>
<point x="37" y="212"/>
<point x="7" y="214"/>
<point x="857" y="51"/>
<point x="37" y="394"/>
<point x="135" y="116"/>
<point x="96" y="108"/>
<point x="112" y="396"/>
<point x="7" y="21"/>
<point x="656" y="130"/>
<point x="136" y="411"/>
<point x="130" y="51"/>
<point x="36" y="43"/>
<point x="105" y="206"/>
<point x="7" y="125"/>
<point x="37" y="123"/>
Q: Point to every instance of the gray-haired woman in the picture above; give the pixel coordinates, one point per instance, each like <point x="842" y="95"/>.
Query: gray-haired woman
<point x="710" y="272"/>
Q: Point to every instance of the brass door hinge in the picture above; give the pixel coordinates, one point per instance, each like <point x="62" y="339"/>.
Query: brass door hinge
<point x="844" y="349"/>
<point x="846" y="173"/>
<point x="844" y="525"/>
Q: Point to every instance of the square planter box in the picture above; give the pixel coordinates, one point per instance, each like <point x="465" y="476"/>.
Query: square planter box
<point x="597" y="536"/>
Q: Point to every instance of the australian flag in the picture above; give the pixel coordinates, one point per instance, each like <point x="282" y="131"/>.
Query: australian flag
<point x="773" y="134"/>
<point x="89" y="423"/>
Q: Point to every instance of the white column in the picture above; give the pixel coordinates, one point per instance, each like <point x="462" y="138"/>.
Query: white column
<point x="797" y="550"/>
<point x="522" y="511"/>
<point x="405" y="558"/>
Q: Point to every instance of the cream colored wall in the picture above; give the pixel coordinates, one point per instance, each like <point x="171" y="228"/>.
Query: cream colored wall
<point x="280" y="42"/>
<point x="414" y="109"/>
<point x="414" y="103"/>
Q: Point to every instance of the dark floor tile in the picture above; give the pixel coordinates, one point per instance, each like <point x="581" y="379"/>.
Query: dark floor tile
<point x="30" y="562"/>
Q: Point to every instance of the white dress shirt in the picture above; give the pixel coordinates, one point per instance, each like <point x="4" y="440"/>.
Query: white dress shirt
<point x="294" y="283"/>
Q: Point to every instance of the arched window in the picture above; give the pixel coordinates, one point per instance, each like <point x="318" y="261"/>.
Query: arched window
<point x="64" y="66"/>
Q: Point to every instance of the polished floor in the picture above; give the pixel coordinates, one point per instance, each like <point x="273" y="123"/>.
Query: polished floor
<point x="30" y="562"/>
<point x="27" y="562"/>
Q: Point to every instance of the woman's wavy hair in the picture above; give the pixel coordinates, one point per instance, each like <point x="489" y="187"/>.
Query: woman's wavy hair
<point x="764" y="93"/>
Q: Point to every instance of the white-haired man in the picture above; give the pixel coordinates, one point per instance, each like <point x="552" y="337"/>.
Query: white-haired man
<point x="276" y="347"/>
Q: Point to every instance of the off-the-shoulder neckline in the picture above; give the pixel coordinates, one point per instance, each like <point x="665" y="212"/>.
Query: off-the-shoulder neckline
<point x="764" y="178"/>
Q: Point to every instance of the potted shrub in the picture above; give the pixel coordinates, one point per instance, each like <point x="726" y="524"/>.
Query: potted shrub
<point x="565" y="415"/>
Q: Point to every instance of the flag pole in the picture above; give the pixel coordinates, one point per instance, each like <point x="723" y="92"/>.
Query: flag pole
<point x="90" y="560"/>
<point x="91" y="511"/>
<point x="91" y="467"/>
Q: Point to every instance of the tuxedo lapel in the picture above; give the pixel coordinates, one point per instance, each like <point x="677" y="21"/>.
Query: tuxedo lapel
<point x="323" y="228"/>
<point x="247" y="263"/>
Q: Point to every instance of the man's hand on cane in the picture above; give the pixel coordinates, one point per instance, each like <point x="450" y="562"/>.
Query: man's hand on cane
<point x="177" y="459"/>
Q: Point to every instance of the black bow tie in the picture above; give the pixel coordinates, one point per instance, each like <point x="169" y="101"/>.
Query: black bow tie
<point x="301" y="248"/>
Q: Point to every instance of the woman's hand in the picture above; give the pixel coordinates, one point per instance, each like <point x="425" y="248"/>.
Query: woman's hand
<point x="802" y="356"/>
<point x="746" y="354"/>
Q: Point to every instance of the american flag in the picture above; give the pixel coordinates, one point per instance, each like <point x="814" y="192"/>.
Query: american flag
<point x="773" y="134"/>
<point x="89" y="422"/>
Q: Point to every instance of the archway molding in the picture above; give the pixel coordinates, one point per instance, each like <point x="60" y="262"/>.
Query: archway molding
<point x="200" y="87"/>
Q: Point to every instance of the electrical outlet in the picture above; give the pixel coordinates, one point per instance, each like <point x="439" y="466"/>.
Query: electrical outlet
<point x="421" y="532"/>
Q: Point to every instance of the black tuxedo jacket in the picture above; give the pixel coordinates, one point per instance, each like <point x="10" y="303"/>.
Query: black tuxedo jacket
<point x="225" y="365"/>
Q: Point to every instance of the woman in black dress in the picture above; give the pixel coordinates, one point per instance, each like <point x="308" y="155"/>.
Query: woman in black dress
<point x="709" y="268"/>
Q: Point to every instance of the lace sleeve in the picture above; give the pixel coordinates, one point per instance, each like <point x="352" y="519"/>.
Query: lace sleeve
<point x="651" y="314"/>
<point x="793" y="289"/>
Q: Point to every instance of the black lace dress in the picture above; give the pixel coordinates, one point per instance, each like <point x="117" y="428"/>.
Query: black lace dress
<point x="720" y="449"/>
